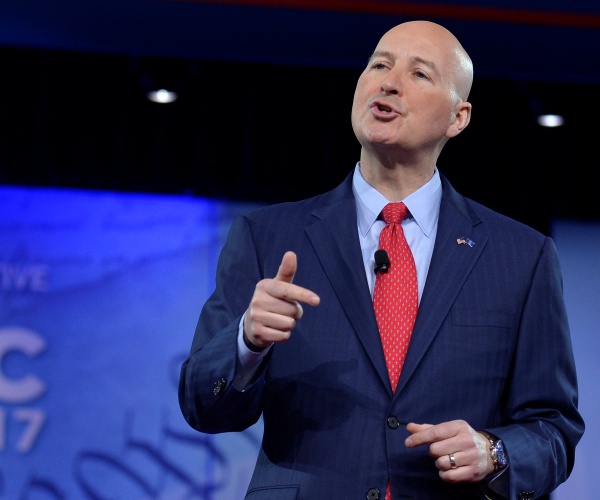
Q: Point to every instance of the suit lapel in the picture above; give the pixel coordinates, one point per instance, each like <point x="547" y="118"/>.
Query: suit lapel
<point x="451" y="263"/>
<point x="335" y="241"/>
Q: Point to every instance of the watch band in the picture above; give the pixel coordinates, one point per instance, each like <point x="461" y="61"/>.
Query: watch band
<point x="497" y="451"/>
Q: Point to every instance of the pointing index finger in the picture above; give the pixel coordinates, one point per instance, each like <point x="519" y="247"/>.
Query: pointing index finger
<point x="420" y="434"/>
<point x="286" y="273"/>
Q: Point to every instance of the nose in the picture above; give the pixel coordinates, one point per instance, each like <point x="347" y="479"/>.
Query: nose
<point x="389" y="88"/>
<point x="391" y="84"/>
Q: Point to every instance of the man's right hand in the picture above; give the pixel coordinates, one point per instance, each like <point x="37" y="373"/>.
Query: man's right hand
<point x="276" y="306"/>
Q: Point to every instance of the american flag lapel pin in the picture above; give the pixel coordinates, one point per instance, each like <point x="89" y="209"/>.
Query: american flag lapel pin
<point x="465" y="241"/>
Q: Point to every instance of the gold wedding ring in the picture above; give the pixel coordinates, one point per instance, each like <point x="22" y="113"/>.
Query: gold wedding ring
<point x="452" y="461"/>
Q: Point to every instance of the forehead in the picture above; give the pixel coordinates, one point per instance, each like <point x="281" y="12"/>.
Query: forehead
<point x="418" y="43"/>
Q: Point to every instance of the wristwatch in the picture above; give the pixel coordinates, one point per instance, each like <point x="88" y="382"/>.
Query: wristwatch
<point x="497" y="451"/>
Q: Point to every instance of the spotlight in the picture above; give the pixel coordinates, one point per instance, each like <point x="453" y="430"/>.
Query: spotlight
<point x="550" y="120"/>
<point x="162" y="96"/>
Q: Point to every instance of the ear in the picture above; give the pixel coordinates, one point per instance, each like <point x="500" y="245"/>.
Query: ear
<point x="462" y="117"/>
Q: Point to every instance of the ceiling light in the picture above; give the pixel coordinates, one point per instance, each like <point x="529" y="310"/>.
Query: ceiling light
<point x="162" y="96"/>
<point x="550" y="120"/>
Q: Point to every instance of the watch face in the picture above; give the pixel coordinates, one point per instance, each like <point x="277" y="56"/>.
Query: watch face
<point x="500" y="454"/>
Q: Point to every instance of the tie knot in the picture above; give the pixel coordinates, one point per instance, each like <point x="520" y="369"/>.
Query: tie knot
<point x="394" y="213"/>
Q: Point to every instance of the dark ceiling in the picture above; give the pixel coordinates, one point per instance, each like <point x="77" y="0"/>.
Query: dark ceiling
<point x="265" y="96"/>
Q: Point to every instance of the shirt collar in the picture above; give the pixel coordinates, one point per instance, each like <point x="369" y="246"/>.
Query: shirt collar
<point x="423" y="204"/>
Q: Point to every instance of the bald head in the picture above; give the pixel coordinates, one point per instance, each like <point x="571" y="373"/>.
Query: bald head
<point x="412" y="96"/>
<point x="455" y="64"/>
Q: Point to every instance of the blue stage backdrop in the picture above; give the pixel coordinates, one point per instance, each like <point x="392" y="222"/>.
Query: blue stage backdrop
<point x="578" y="245"/>
<point x="100" y="297"/>
<point x="100" y="294"/>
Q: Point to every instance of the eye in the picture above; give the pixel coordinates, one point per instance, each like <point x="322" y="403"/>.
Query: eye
<point x="421" y="75"/>
<point x="378" y="65"/>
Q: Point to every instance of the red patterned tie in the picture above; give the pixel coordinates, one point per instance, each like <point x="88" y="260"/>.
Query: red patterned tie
<point x="395" y="298"/>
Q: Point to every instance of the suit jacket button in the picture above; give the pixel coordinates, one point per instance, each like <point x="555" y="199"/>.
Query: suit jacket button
<point x="393" y="422"/>
<point x="219" y="386"/>
<point x="373" y="494"/>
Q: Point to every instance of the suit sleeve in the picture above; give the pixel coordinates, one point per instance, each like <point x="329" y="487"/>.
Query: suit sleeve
<point x="542" y="395"/>
<point x="207" y="397"/>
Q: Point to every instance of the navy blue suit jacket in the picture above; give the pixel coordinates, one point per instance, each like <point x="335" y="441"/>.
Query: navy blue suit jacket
<point x="490" y="345"/>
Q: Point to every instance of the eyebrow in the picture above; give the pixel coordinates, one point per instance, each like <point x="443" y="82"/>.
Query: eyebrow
<point x="389" y="55"/>
<point x="381" y="53"/>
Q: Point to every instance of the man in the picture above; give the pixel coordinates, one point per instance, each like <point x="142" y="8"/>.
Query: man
<point x="486" y="402"/>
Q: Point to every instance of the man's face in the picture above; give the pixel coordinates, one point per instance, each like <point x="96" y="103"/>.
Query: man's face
<point x="405" y="98"/>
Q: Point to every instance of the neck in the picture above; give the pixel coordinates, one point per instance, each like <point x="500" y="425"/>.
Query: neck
<point x="396" y="181"/>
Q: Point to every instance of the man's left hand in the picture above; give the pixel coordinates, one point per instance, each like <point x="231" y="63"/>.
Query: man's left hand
<point x="460" y="452"/>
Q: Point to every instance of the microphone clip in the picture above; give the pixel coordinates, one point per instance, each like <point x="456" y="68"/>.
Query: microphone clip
<point x="382" y="262"/>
